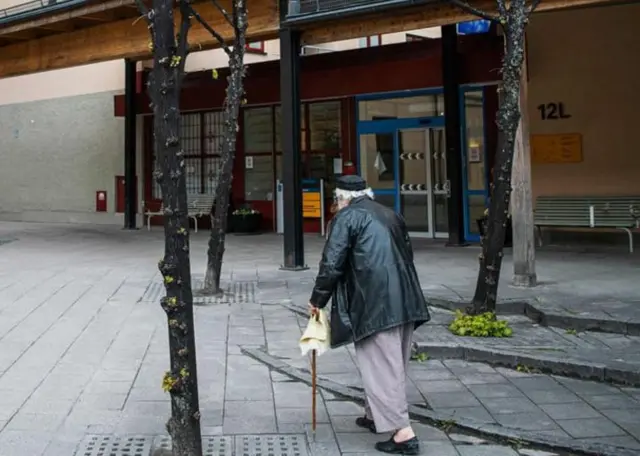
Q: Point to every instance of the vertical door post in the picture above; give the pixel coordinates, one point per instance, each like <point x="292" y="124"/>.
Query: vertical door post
<point x="452" y="120"/>
<point x="130" y="203"/>
<point x="291" y="138"/>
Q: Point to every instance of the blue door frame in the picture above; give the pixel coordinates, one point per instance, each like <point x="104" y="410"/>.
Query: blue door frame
<point x="394" y="125"/>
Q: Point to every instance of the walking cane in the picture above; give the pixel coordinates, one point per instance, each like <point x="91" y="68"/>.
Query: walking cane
<point x="313" y="392"/>
<point x="313" y="389"/>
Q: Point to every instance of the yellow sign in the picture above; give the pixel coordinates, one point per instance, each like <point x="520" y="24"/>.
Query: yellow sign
<point x="564" y="148"/>
<point x="311" y="205"/>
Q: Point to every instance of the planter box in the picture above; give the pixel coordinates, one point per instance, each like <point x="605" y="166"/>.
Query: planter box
<point x="248" y="223"/>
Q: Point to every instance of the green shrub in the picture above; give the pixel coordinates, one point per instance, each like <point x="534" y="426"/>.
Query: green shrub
<point x="483" y="325"/>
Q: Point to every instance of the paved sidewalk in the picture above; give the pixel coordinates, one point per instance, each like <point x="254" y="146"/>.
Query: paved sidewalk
<point x="551" y="405"/>
<point x="83" y="348"/>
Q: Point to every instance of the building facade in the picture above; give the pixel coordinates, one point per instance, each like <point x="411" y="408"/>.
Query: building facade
<point x="376" y="101"/>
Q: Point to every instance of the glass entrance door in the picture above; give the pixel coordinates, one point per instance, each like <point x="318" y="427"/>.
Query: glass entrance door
<point x="440" y="184"/>
<point x="377" y="164"/>
<point x="414" y="193"/>
<point x="406" y="168"/>
<point x="423" y="188"/>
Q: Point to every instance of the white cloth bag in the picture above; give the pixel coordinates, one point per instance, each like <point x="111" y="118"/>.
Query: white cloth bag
<point x="317" y="336"/>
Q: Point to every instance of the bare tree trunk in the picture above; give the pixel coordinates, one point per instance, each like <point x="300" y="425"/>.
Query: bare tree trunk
<point x="513" y="17"/>
<point x="233" y="100"/>
<point x="169" y="55"/>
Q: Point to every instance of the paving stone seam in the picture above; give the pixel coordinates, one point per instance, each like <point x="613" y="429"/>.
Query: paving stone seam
<point x="92" y="318"/>
<point x="492" y="431"/>
<point x="112" y="339"/>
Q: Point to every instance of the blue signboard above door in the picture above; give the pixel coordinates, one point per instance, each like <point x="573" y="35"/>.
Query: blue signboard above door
<point x="473" y="27"/>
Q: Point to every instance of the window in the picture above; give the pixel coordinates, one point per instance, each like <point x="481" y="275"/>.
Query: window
<point x="258" y="148"/>
<point x="257" y="47"/>
<point x="258" y="130"/>
<point x="370" y="41"/>
<point x="321" y="141"/>
<point x="324" y="126"/>
<point x="407" y="107"/>
<point x="201" y="137"/>
<point x="303" y="129"/>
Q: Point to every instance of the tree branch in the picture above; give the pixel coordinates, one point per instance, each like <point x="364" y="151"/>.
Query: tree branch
<point x="234" y="13"/>
<point x="463" y="5"/>
<point x="533" y="7"/>
<point x="144" y="10"/>
<point x="209" y="29"/>
<point x="502" y="8"/>
<point x="224" y="12"/>
<point x="183" y="42"/>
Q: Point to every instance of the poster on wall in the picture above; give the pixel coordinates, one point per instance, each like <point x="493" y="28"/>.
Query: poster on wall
<point x="561" y="148"/>
<point x="337" y="165"/>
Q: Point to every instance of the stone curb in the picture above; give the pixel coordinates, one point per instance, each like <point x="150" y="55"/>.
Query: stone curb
<point x="612" y="372"/>
<point x="491" y="431"/>
<point x="615" y="372"/>
<point x="528" y="308"/>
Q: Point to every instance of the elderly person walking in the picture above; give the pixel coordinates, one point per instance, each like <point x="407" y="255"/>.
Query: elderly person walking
<point x="367" y="268"/>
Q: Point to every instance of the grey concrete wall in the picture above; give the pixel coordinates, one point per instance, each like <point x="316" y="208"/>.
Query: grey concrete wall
<point x="55" y="154"/>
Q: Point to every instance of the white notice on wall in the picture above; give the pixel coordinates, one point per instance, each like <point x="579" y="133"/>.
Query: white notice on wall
<point x="337" y="166"/>
<point x="248" y="162"/>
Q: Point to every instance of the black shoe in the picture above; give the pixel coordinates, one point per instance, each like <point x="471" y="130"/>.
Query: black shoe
<point x="411" y="446"/>
<point x="366" y="423"/>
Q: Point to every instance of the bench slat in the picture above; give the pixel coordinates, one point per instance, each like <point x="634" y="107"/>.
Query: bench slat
<point x="608" y="211"/>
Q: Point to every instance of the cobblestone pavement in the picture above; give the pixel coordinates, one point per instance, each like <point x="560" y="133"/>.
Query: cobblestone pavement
<point x="554" y="405"/>
<point x="83" y="348"/>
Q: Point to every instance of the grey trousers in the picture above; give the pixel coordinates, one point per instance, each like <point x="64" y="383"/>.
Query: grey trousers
<point x="383" y="360"/>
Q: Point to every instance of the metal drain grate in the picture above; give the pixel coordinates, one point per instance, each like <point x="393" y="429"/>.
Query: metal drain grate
<point x="211" y="446"/>
<point x="234" y="293"/>
<point x="104" y="445"/>
<point x="271" y="445"/>
<point x="241" y="445"/>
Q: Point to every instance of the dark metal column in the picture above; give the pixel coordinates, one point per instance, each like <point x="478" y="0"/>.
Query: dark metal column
<point x="130" y="191"/>
<point x="452" y="120"/>
<point x="291" y="138"/>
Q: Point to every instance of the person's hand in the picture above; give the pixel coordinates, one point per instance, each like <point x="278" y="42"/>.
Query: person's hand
<point x="313" y="310"/>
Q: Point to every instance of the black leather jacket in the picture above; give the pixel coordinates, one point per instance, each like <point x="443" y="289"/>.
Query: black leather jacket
<point x="367" y="268"/>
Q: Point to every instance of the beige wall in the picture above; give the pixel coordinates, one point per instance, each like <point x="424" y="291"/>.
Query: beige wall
<point x="68" y="82"/>
<point x="588" y="60"/>
<point x="9" y="3"/>
<point x="216" y="58"/>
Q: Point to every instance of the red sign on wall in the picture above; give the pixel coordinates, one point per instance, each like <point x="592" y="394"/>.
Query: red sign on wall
<point x="101" y="201"/>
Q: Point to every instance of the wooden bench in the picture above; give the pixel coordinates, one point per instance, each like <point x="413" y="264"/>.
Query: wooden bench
<point x="148" y="213"/>
<point x="199" y="206"/>
<point x="612" y="212"/>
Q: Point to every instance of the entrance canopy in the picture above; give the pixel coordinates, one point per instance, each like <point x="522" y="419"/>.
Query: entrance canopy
<point x="44" y="39"/>
<point x="39" y="36"/>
